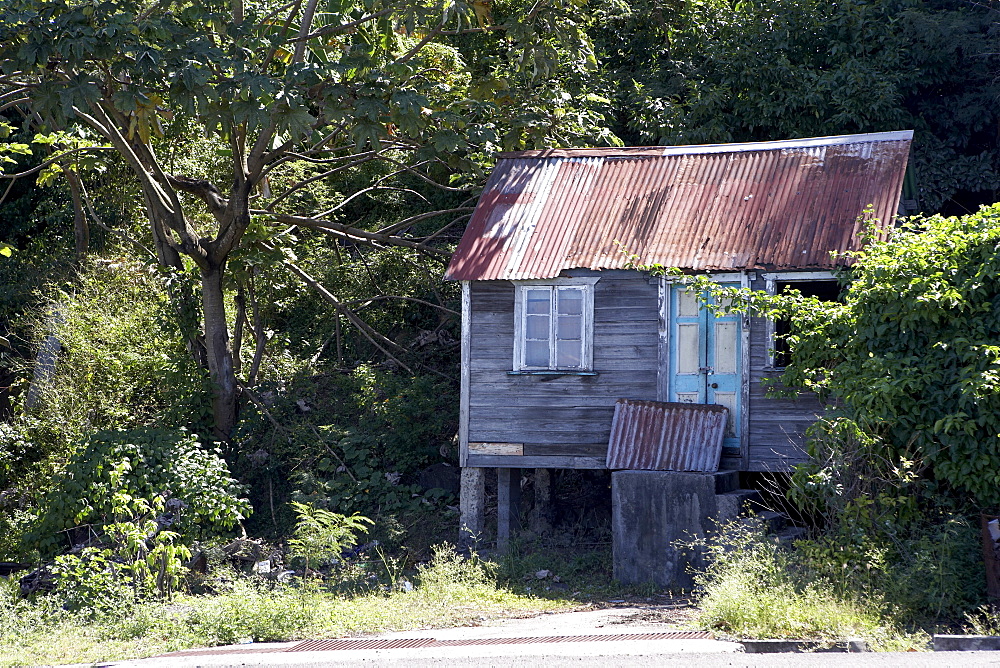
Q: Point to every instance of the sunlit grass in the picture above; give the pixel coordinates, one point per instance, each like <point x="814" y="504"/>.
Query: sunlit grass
<point x="753" y="588"/>
<point x="450" y="591"/>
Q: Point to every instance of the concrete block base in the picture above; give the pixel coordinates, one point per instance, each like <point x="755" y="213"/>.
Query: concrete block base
<point x="655" y="514"/>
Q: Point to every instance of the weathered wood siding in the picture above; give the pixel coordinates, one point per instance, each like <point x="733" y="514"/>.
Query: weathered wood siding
<point x="777" y="426"/>
<point x="563" y="421"/>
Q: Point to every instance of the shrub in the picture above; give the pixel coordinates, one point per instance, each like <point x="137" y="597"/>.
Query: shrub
<point x="251" y="610"/>
<point x="880" y="529"/>
<point x="450" y="576"/>
<point x="911" y="445"/>
<point x="911" y="353"/>
<point x="112" y="469"/>
<point x="755" y="589"/>
<point x="122" y="361"/>
<point x="322" y="535"/>
<point x="357" y="449"/>
<point x="121" y="365"/>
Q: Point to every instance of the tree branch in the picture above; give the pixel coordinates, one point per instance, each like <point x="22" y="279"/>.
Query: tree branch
<point x="445" y="228"/>
<point x="403" y="224"/>
<point x="312" y="179"/>
<point x="467" y="31"/>
<point x="284" y="29"/>
<point x="421" y="44"/>
<point x="370" y="300"/>
<point x="203" y="190"/>
<point x="428" y="179"/>
<point x="100" y="223"/>
<point x="304" y="27"/>
<point x="57" y="158"/>
<point x="14" y="103"/>
<point x="348" y="232"/>
<point x="376" y="339"/>
<point x="363" y="191"/>
<point x="344" y="27"/>
<point x="259" y="337"/>
<point x="10" y="186"/>
<point x="152" y="8"/>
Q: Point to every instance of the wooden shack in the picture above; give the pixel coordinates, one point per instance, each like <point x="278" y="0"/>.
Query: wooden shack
<point x="556" y="328"/>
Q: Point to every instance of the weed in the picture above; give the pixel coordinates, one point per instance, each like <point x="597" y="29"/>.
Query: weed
<point x="449" y="591"/>
<point x="983" y="622"/>
<point x="322" y="535"/>
<point x="755" y="589"/>
<point x="251" y="611"/>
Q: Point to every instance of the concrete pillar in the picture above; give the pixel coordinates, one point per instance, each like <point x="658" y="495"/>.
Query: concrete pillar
<point x="508" y="505"/>
<point x="542" y="513"/>
<point x="472" y="505"/>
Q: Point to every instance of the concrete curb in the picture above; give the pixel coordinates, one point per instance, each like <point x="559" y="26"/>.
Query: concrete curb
<point x="944" y="643"/>
<point x="786" y="646"/>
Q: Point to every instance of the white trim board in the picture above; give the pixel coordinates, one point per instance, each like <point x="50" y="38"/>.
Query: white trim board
<point x="464" y="400"/>
<point x="811" y="142"/>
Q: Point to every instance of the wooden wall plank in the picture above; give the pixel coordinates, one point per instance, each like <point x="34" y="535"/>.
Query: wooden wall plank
<point x="598" y="450"/>
<point x="568" y="415"/>
<point x="776" y="438"/>
<point x="554" y="462"/>
<point x="466" y="378"/>
<point x="571" y="415"/>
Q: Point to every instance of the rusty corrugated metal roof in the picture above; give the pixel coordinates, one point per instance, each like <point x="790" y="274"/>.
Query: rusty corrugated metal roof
<point x="768" y="205"/>
<point x="661" y="436"/>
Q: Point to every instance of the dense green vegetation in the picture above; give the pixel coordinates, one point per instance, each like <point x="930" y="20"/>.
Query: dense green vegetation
<point x="230" y="222"/>
<point x="906" y="456"/>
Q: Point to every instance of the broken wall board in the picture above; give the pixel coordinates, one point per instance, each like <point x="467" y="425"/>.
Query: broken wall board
<point x="516" y="449"/>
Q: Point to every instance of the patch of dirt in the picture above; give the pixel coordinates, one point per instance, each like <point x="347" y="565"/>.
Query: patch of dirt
<point x="659" y="615"/>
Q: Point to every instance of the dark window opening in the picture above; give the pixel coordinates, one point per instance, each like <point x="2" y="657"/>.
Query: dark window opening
<point x="827" y="291"/>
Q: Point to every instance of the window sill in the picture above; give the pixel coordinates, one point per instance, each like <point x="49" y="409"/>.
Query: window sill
<point x="551" y="372"/>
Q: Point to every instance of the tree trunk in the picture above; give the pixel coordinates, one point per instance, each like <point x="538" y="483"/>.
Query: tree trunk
<point x="81" y="232"/>
<point x="220" y="355"/>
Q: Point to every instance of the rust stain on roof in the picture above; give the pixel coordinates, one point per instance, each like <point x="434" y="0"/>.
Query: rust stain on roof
<point x="794" y="204"/>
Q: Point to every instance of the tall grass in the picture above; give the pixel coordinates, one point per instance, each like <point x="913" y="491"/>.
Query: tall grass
<point x="754" y="588"/>
<point x="449" y="591"/>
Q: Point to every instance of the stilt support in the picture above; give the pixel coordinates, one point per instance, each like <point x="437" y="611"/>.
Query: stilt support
<point x="508" y="506"/>
<point x="542" y="513"/>
<point x="473" y="507"/>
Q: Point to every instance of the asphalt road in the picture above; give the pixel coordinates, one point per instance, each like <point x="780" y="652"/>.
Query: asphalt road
<point x="577" y="655"/>
<point x="651" y="635"/>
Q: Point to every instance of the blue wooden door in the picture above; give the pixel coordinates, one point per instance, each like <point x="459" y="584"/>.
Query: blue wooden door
<point x="705" y="358"/>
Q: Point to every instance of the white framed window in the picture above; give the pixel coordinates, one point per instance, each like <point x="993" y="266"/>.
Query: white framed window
<point x="554" y="325"/>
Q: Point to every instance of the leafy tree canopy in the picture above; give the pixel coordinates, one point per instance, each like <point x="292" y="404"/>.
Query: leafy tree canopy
<point x="292" y="97"/>
<point x="720" y="71"/>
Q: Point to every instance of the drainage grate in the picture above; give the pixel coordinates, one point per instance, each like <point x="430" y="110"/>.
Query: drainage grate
<point x="347" y="644"/>
<point x="362" y="643"/>
<point x="406" y="643"/>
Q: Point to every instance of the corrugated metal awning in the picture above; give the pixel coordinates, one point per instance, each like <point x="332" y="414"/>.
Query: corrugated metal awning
<point x="794" y="204"/>
<point x="661" y="436"/>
